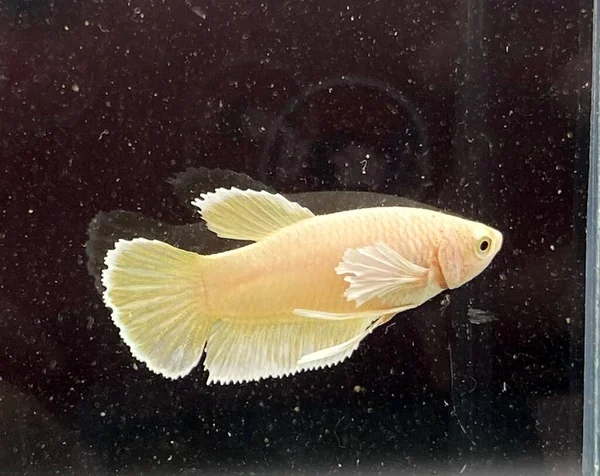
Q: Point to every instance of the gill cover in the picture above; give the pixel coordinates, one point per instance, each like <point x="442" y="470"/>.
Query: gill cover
<point x="451" y="262"/>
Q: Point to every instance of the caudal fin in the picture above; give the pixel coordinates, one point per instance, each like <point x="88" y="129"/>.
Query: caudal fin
<point x="155" y="292"/>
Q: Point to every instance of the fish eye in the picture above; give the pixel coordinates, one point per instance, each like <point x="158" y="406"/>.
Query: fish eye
<point x="484" y="245"/>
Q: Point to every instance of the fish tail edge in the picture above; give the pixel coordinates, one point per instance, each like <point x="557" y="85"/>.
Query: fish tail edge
<point x="157" y="297"/>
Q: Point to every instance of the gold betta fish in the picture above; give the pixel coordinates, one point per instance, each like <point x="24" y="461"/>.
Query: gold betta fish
<point x="301" y="297"/>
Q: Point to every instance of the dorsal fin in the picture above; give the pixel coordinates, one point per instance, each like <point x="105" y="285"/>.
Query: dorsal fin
<point x="194" y="181"/>
<point x="248" y="214"/>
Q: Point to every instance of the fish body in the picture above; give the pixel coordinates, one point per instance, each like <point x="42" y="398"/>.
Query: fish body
<point x="302" y="296"/>
<point x="295" y="267"/>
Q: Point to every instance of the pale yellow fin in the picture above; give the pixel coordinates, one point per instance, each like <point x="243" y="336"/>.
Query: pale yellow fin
<point x="248" y="215"/>
<point x="155" y="292"/>
<point x="333" y="351"/>
<point x="342" y="316"/>
<point x="376" y="271"/>
<point x="238" y="352"/>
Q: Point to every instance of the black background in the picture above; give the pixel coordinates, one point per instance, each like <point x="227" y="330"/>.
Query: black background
<point x="481" y="108"/>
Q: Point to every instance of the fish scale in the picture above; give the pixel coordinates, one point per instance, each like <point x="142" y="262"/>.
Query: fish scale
<point x="295" y="267"/>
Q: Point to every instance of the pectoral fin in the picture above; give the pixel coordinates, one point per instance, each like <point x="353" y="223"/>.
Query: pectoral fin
<point x="248" y="215"/>
<point x="378" y="270"/>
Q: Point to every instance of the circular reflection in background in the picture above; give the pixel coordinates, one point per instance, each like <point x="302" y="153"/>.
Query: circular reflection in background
<point x="348" y="133"/>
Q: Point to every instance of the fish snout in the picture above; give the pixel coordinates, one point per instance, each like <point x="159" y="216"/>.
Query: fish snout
<point x="498" y="240"/>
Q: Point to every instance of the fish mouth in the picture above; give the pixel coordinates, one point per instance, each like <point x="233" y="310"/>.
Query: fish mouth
<point x="498" y="240"/>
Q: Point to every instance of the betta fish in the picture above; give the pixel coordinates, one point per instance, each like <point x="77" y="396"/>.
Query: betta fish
<point x="301" y="296"/>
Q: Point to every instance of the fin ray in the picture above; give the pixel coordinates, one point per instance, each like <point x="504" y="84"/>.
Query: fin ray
<point x="331" y="352"/>
<point x="154" y="292"/>
<point x="341" y="316"/>
<point x="238" y="352"/>
<point x="248" y="215"/>
<point x="375" y="271"/>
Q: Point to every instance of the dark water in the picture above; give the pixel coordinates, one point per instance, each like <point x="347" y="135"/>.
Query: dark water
<point x="479" y="108"/>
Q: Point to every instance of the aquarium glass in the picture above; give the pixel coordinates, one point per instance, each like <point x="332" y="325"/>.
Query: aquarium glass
<point x="115" y="115"/>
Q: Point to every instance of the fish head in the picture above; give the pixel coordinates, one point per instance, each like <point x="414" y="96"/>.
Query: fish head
<point x="466" y="249"/>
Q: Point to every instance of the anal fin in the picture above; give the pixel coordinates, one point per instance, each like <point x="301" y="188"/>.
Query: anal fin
<point x="333" y="351"/>
<point x="238" y="352"/>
